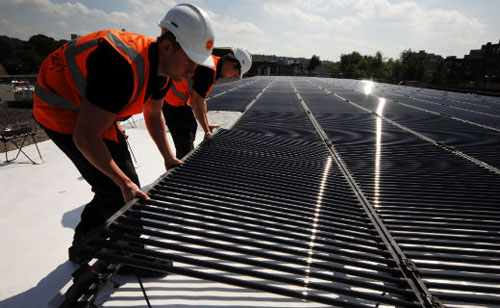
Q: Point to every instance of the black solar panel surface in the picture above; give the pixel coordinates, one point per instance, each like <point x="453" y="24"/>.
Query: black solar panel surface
<point x="276" y="210"/>
<point x="478" y="138"/>
<point x="237" y="97"/>
<point x="266" y="206"/>
<point x="442" y="209"/>
<point x="278" y="113"/>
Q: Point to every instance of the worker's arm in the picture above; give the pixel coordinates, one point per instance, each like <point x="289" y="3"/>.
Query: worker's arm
<point x="91" y="123"/>
<point x="199" y="106"/>
<point x="156" y="128"/>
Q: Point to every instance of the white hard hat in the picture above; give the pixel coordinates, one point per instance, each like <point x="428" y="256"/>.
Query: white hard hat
<point x="244" y="57"/>
<point x="193" y="30"/>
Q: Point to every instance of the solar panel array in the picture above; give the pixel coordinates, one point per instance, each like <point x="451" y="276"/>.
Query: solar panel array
<point x="441" y="208"/>
<point x="235" y="96"/>
<point x="342" y="192"/>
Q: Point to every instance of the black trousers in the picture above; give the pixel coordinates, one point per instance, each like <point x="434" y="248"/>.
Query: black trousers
<point x="107" y="195"/>
<point x="182" y="125"/>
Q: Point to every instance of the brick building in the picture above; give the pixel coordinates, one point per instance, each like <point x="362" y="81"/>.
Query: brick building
<point x="480" y="69"/>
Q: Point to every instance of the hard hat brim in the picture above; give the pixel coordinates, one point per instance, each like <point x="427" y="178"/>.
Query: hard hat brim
<point x="201" y="59"/>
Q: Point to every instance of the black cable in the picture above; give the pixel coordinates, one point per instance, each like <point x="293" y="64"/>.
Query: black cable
<point x="143" y="291"/>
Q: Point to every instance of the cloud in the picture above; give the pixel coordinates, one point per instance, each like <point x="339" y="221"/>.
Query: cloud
<point x="230" y="32"/>
<point x="69" y="17"/>
<point x="375" y="25"/>
<point x="311" y="6"/>
<point x="412" y="15"/>
<point x="309" y="20"/>
<point x="14" y="30"/>
<point x="148" y="7"/>
<point x="35" y="4"/>
<point x="321" y="14"/>
<point x="140" y="16"/>
<point x="62" y="24"/>
<point x="453" y="23"/>
<point x="453" y="30"/>
<point x="384" y="11"/>
<point x="324" y="27"/>
<point x="328" y="46"/>
<point x="64" y="9"/>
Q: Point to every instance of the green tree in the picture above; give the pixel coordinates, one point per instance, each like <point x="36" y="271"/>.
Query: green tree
<point x="412" y="65"/>
<point x="335" y="66"/>
<point x="43" y="45"/>
<point x="438" y="74"/>
<point x="387" y="72"/>
<point x="25" y="57"/>
<point x="29" y="59"/>
<point x="315" y="61"/>
<point x="9" y="54"/>
<point x="349" y="64"/>
<point x="7" y="49"/>
<point x="375" y="65"/>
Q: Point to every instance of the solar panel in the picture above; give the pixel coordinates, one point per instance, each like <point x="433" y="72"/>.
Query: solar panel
<point x="473" y="138"/>
<point x="278" y="113"/>
<point x="289" y="223"/>
<point x="236" y="98"/>
<point x="324" y="193"/>
<point x="441" y="208"/>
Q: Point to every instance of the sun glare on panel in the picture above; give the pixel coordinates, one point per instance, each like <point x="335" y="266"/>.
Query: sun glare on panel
<point x="368" y="86"/>
<point x="378" y="151"/>
<point x="314" y="227"/>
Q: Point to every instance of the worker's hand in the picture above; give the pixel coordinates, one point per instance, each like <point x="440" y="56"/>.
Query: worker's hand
<point x="212" y="127"/>
<point x="207" y="135"/>
<point x="173" y="162"/>
<point x="210" y="132"/>
<point x="131" y="190"/>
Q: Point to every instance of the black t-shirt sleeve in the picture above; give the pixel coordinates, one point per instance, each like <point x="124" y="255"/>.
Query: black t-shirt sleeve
<point x="160" y="88"/>
<point x="110" y="79"/>
<point x="203" y="79"/>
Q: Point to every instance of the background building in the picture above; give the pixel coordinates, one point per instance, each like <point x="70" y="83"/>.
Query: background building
<point x="479" y="70"/>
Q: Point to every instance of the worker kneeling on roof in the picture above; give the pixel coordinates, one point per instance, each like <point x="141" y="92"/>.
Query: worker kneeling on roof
<point x="89" y="84"/>
<point x="192" y="92"/>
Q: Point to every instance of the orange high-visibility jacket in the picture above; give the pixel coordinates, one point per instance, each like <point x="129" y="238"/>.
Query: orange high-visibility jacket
<point x="62" y="83"/>
<point x="180" y="92"/>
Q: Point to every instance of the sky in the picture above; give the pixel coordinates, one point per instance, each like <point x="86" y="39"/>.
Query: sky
<point x="294" y="28"/>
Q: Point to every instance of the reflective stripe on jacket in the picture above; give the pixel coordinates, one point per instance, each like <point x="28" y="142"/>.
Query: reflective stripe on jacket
<point x="62" y="83"/>
<point x="180" y="92"/>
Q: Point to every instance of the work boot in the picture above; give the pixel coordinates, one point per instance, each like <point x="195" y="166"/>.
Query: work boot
<point x="72" y="255"/>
